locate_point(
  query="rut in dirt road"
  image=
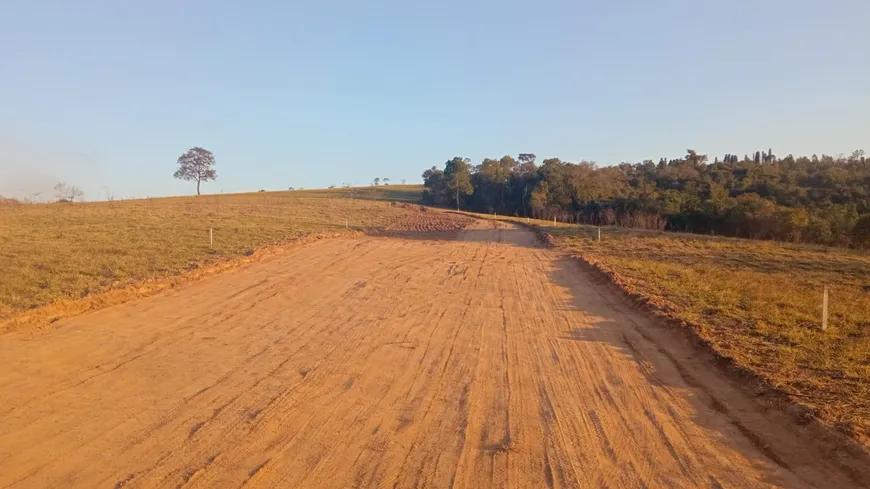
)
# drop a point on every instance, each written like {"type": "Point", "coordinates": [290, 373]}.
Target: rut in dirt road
{"type": "Point", "coordinates": [487, 361]}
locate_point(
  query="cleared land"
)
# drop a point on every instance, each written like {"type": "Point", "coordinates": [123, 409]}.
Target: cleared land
{"type": "Point", "coordinates": [485, 361]}
{"type": "Point", "coordinates": [62, 252]}
{"type": "Point", "coordinates": [758, 302]}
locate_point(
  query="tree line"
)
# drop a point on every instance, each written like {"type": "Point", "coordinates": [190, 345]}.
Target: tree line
{"type": "Point", "coordinates": [816, 199]}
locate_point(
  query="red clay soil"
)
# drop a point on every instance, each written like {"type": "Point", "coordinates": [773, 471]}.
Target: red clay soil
{"type": "Point", "coordinates": [431, 222]}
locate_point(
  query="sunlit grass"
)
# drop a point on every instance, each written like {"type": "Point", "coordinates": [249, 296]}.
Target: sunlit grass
{"type": "Point", "coordinates": [759, 302]}
{"type": "Point", "coordinates": [63, 251]}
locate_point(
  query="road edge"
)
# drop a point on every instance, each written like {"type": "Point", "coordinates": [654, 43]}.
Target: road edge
{"type": "Point", "coordinates": [45, 315]}
{"type": "Point", "coordinates": [841, 448]}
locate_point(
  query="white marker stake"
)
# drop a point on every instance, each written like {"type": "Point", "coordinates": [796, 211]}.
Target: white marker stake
{"type": "Point", "coordinates": [345, 224]}
{"type": "Point", "coordinates": [825, 310]}
{"type": "Point", "coordinates": [211, 237]}
{"type": "Point", "coordinates": [599, 234]}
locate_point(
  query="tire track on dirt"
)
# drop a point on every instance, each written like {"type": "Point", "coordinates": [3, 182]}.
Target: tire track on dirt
{"type": "Point", "coordinates": [485, 361]}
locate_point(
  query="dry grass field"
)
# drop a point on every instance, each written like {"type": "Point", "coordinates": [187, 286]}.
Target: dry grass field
{"type": "Point", "coordinates": [61, 251]}
{"type": "Point", "coordinates": [758, 302]}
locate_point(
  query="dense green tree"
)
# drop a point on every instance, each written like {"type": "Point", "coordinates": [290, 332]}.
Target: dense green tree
{"type": "Point", "coordinates": [435, 187]}
{"type": "Point", "coordinates": [861, 232]}
{"type": "Point", "coordinates": [816, 199]}
{"type": "Point", "coordinates": [457, 177]}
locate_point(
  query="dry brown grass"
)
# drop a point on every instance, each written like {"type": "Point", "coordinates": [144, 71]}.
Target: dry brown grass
{"type": "Point", "coordinates": [62, 252]}
{"type": "Point", "coordinates": [758, 302]}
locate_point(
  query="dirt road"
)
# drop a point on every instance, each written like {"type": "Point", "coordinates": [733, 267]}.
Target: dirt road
{"type": "Point", "coordinates": [384, 362]}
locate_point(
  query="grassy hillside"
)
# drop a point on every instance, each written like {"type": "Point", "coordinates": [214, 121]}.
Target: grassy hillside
{"type": "Point", "coordinates": [62, 251]}
{"type": "Point", "coordinates": [758, 302]}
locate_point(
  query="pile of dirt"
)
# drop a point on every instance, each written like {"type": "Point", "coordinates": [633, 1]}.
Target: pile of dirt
{"type": "Point", "coordinates": [405, 205]}
{"type": "Point", "coordinates": [431, 222]}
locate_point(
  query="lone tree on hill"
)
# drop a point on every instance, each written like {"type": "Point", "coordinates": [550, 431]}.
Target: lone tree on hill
{"type": "Point", "coordinates": [196, 164]}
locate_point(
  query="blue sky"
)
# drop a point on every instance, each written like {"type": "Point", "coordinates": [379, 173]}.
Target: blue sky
{"type": "Point", "coordinates": [109, 94]}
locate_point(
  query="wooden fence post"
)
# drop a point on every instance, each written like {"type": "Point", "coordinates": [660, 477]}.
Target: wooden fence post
{"type": "Point", "coordinates": [825, 309]}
